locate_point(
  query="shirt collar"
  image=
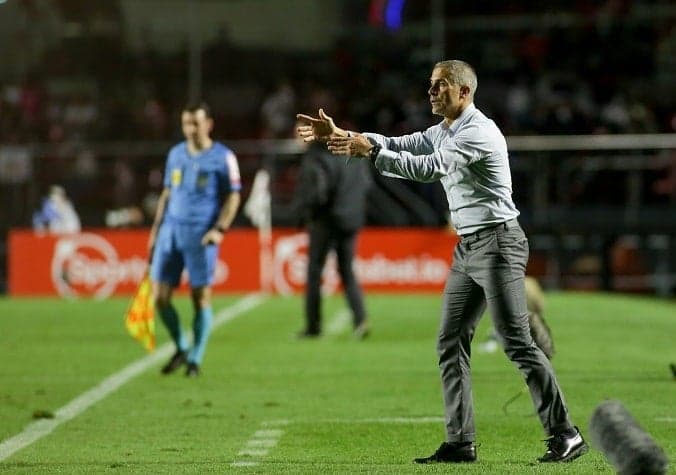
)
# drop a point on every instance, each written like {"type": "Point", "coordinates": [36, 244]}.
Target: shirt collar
{"type": "Point", "coordinates": [469, 110]}
{"type": "Point", "coordinates": [199, 153]}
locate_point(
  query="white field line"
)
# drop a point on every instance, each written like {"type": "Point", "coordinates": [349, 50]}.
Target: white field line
{"type": "Point", "coordinates": [265, 439]}
{"type": "Point", "coordinates": [665, 419]}
{"type": "Point", "coordinates": [40, 428]}
{"type": "Point", "coordinates": [339, 322]}
{"type": "Point", "coordinates": [262, 443]}
{"type": "Point", "coordinates": [259, 445]}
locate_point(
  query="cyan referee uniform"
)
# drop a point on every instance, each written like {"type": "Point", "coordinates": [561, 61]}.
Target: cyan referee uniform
{"type": "Point", "coordinates": [198, 186]}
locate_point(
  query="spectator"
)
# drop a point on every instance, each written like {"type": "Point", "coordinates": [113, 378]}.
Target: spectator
{"type": "Point", "coordinates": [57, 214]}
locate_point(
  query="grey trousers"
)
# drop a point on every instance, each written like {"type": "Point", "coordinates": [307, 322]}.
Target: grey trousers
{"type": "Point", "coordinates": [489, 268]}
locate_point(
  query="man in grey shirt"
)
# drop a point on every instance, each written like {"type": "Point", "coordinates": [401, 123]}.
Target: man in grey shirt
{"type": "Point", "coordinates": [468, 154]}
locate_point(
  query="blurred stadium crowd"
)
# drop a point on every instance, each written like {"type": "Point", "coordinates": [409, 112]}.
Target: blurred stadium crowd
{"type": "Point", "coordinates": [598, 67]}
{"type": "Point", "coordinates": [75, 98]}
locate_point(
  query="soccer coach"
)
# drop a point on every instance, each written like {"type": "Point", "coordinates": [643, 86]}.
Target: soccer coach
{"type": "Point", "coordinates": [468, 154]}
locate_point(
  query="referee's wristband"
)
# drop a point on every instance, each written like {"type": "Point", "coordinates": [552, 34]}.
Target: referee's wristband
{"type": "Point", "coordinates": [373, 153]}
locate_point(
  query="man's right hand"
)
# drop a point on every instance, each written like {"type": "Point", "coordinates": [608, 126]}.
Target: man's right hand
{"type": "Point", "coordinates": [318, 129]}
{"type": "Point", "coordinates": [353, 146]}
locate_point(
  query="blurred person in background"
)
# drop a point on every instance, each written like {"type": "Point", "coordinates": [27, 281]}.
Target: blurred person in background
{"type": "Point", "coordinates": [142, 214]}
{"type": "Point", "coordinates": [277, 111]}
{"type": "Point", "coordinates": [199, 201]}
{"type": "Point", "coordinates": [330, 200]}
{"type": "Point", "coordinates": [468, 154]}
{"type": "Point", "coordinates": [57, 214]}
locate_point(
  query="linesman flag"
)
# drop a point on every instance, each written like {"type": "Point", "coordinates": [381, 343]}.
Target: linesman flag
{"type": "Point", "coordinates": [140, 317]}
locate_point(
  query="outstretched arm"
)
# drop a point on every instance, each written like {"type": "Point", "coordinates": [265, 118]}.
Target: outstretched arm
{"type": "Point", "coordinates": [318, 129]}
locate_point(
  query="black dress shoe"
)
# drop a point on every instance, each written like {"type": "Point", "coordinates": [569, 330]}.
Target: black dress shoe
{"type": "Point", "coordinates": [192, 370]}
{"type": "Point", "coordinates": [454, 452]}
{"type": "Point", "coordinates": [564, 448]}
{"type": "Point", "coordinates": [175, 362]}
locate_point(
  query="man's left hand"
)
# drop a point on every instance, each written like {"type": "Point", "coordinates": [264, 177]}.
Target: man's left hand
{"type": "Point", "coordinates": [317, 129]}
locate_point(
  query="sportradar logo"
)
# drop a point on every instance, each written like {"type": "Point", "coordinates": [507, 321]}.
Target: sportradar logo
{"type": "Point", "coordinates": [87, 265]}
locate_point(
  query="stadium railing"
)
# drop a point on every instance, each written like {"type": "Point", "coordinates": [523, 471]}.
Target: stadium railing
{"type": "Point", "coordinates": [599, 209]}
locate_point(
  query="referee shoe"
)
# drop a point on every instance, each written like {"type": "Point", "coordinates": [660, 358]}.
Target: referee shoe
{"type": "Point", "coordinates": [193, 370]}
{"type": "Point", "coordinates": [175, 362]}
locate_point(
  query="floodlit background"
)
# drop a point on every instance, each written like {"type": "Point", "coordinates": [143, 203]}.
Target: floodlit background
{"type": "Point", "coordinates": [90, 93]}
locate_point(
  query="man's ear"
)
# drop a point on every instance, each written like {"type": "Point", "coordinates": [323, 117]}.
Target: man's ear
{"type": "Point", "coordinates": [464, 92]}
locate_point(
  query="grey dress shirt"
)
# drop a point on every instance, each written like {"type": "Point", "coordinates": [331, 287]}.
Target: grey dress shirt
{"type": "Point", "coordinates": [469, 158]}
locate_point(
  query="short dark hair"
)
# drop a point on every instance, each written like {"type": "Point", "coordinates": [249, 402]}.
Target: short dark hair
{"type": "Point", "coordinates": [194, 106]}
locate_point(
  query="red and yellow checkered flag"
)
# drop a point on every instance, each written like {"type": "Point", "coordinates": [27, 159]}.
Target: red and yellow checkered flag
{"type": "Point", "coordinates": [140, 317]}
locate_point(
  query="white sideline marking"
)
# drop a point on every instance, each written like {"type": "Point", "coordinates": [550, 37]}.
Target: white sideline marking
{"type": "Point", "coordinates": [665, 419]}
{"type": "Point", "coordinates": [259, 444]}
{"type": "Point", "coordinates": [339, 322]}
{"type": "Point", "coordinates": [38, 429]}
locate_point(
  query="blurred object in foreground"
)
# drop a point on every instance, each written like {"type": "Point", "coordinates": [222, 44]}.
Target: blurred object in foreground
{"type": "Point", "coordinates": [627, 446]}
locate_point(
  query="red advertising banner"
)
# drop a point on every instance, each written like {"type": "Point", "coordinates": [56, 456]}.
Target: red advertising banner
{"type": "Point", "coordinates": [99, 263]}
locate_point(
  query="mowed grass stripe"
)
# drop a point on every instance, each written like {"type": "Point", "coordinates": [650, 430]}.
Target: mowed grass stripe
{"type": "Point", "coordinates": [41, 428]}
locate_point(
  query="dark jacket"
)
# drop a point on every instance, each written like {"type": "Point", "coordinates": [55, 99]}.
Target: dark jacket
{"type": "Point", "coordinates": [332, 189]}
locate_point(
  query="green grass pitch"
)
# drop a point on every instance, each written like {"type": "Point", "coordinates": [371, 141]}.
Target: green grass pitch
{"type": "Point", "coordinates": [268, 403]}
